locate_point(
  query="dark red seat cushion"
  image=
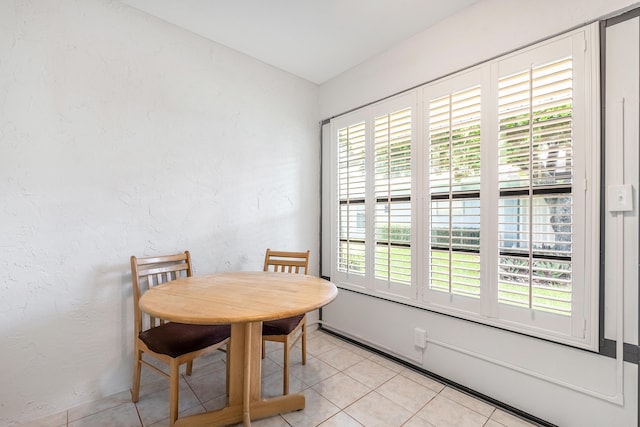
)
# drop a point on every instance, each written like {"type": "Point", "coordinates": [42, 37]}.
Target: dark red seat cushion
{"type": "Point", "coordinates": [281, 326]}
{"type": "Point", "coordinates": [176, 339]}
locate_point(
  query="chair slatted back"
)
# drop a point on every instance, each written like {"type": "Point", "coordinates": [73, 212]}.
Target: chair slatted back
{"type": "Point", "coordinates": [286, 262]}
{"type": "Point", "coordinates": [153, 271]}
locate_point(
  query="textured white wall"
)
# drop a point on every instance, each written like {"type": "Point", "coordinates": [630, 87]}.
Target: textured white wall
{"type": "Point", "coordinates": [121, 135]}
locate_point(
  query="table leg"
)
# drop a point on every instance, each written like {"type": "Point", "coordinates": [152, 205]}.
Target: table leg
{"type": "Point", "coordinates": [246, 391]}
{"type": "Point", "coordinates": [245, 395]}
{"type": "Point", "coordinates": [246, 368]}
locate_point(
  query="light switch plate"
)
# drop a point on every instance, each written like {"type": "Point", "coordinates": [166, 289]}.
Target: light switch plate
{"type": "Point", "coordinates": [620, 198]}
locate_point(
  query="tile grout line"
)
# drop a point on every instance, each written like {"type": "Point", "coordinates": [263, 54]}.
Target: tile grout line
{"type": "Point", "coordinates": [138, 413]}
{"type": "Point", "coordinates": [396, 374]}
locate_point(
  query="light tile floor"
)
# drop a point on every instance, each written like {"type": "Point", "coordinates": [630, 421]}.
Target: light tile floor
{"type": "Point", "coordinates": [344, 385]}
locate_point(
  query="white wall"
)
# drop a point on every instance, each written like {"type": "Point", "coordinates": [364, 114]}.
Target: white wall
{"type": "Point", "coordinates": [119, 135]}
{"type": "Point", "coordinates": [565, 386]}
{"type": "Point", "coordinates": [483, 31]}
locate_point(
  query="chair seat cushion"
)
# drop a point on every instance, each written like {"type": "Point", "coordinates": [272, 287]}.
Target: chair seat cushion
{"type": "Point", "coordinates": [175, 339]}
{"type": "Point", "coordinates": [281, 326]}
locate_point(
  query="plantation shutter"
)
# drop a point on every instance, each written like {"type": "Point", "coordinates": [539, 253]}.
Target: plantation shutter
{"type": "Point", "coordinates": [351, 199]}
{"type": "Point", "coordinates": [392, 140]}
{"type": "Point", "coordinates": [535, 177]}
{"type": "Point", "coordinates": [454, 187]}
{"type": "Point", "coordinates": [493, 216]}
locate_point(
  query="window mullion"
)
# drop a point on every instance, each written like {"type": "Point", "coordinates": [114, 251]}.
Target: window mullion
{"type": "Point", "coordinates": [489, 194]}
{"type": "Point", "coordinates": [388, 202]}
{"type": "Point", "coordinates": [370, 200]}
{"type": "Point", "coordinates": [450, 254]}
{"type": "Point", "coordinates": [530, 195]}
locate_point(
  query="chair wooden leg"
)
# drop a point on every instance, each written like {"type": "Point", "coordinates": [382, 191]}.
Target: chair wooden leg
{"type": "Point", "coordinates": [189, 367]}
{"type": "Point", "coordinates": [228, 367]}
{"type": "Point", "coordinates": [285, 381]}
{"type": "Point", "coordinates": [304, 342]}
{"type": "Point", "coordinates": [263, 348]}
{"type": "Point", "coordinates": [174, 384]}
{"type": "Point", "coordinates": [135, 386]}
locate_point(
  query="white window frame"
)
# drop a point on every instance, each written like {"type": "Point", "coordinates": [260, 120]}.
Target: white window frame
{"type": "Point", "coordinates": [581, 328]}
{"type": "Point", "coordinates": [459, 305]}
{"type": "Point", "coordinates": [353, 281]}
{"type": "Point", "coordinates": [368, 282]}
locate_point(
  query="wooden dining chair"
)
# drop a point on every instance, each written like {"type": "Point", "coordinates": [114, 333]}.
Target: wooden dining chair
{"type": "Point", "coordinates": [170, 342]}
{"type": "Point", "coordinates": [289, 330]}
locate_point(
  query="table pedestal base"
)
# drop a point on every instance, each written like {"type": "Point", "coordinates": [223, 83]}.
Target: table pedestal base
{"type": "Point", "coordinates": [235, 414]}
{"type": "Point", "coordinates": [244, 356]}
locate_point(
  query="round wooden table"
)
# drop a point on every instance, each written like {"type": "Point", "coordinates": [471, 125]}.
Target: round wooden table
{"type": "Point", "coordinates": [244, 300]}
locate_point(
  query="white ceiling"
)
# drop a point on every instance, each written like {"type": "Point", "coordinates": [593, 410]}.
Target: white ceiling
{"type": "Point", "coordinates": [313, 39]}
